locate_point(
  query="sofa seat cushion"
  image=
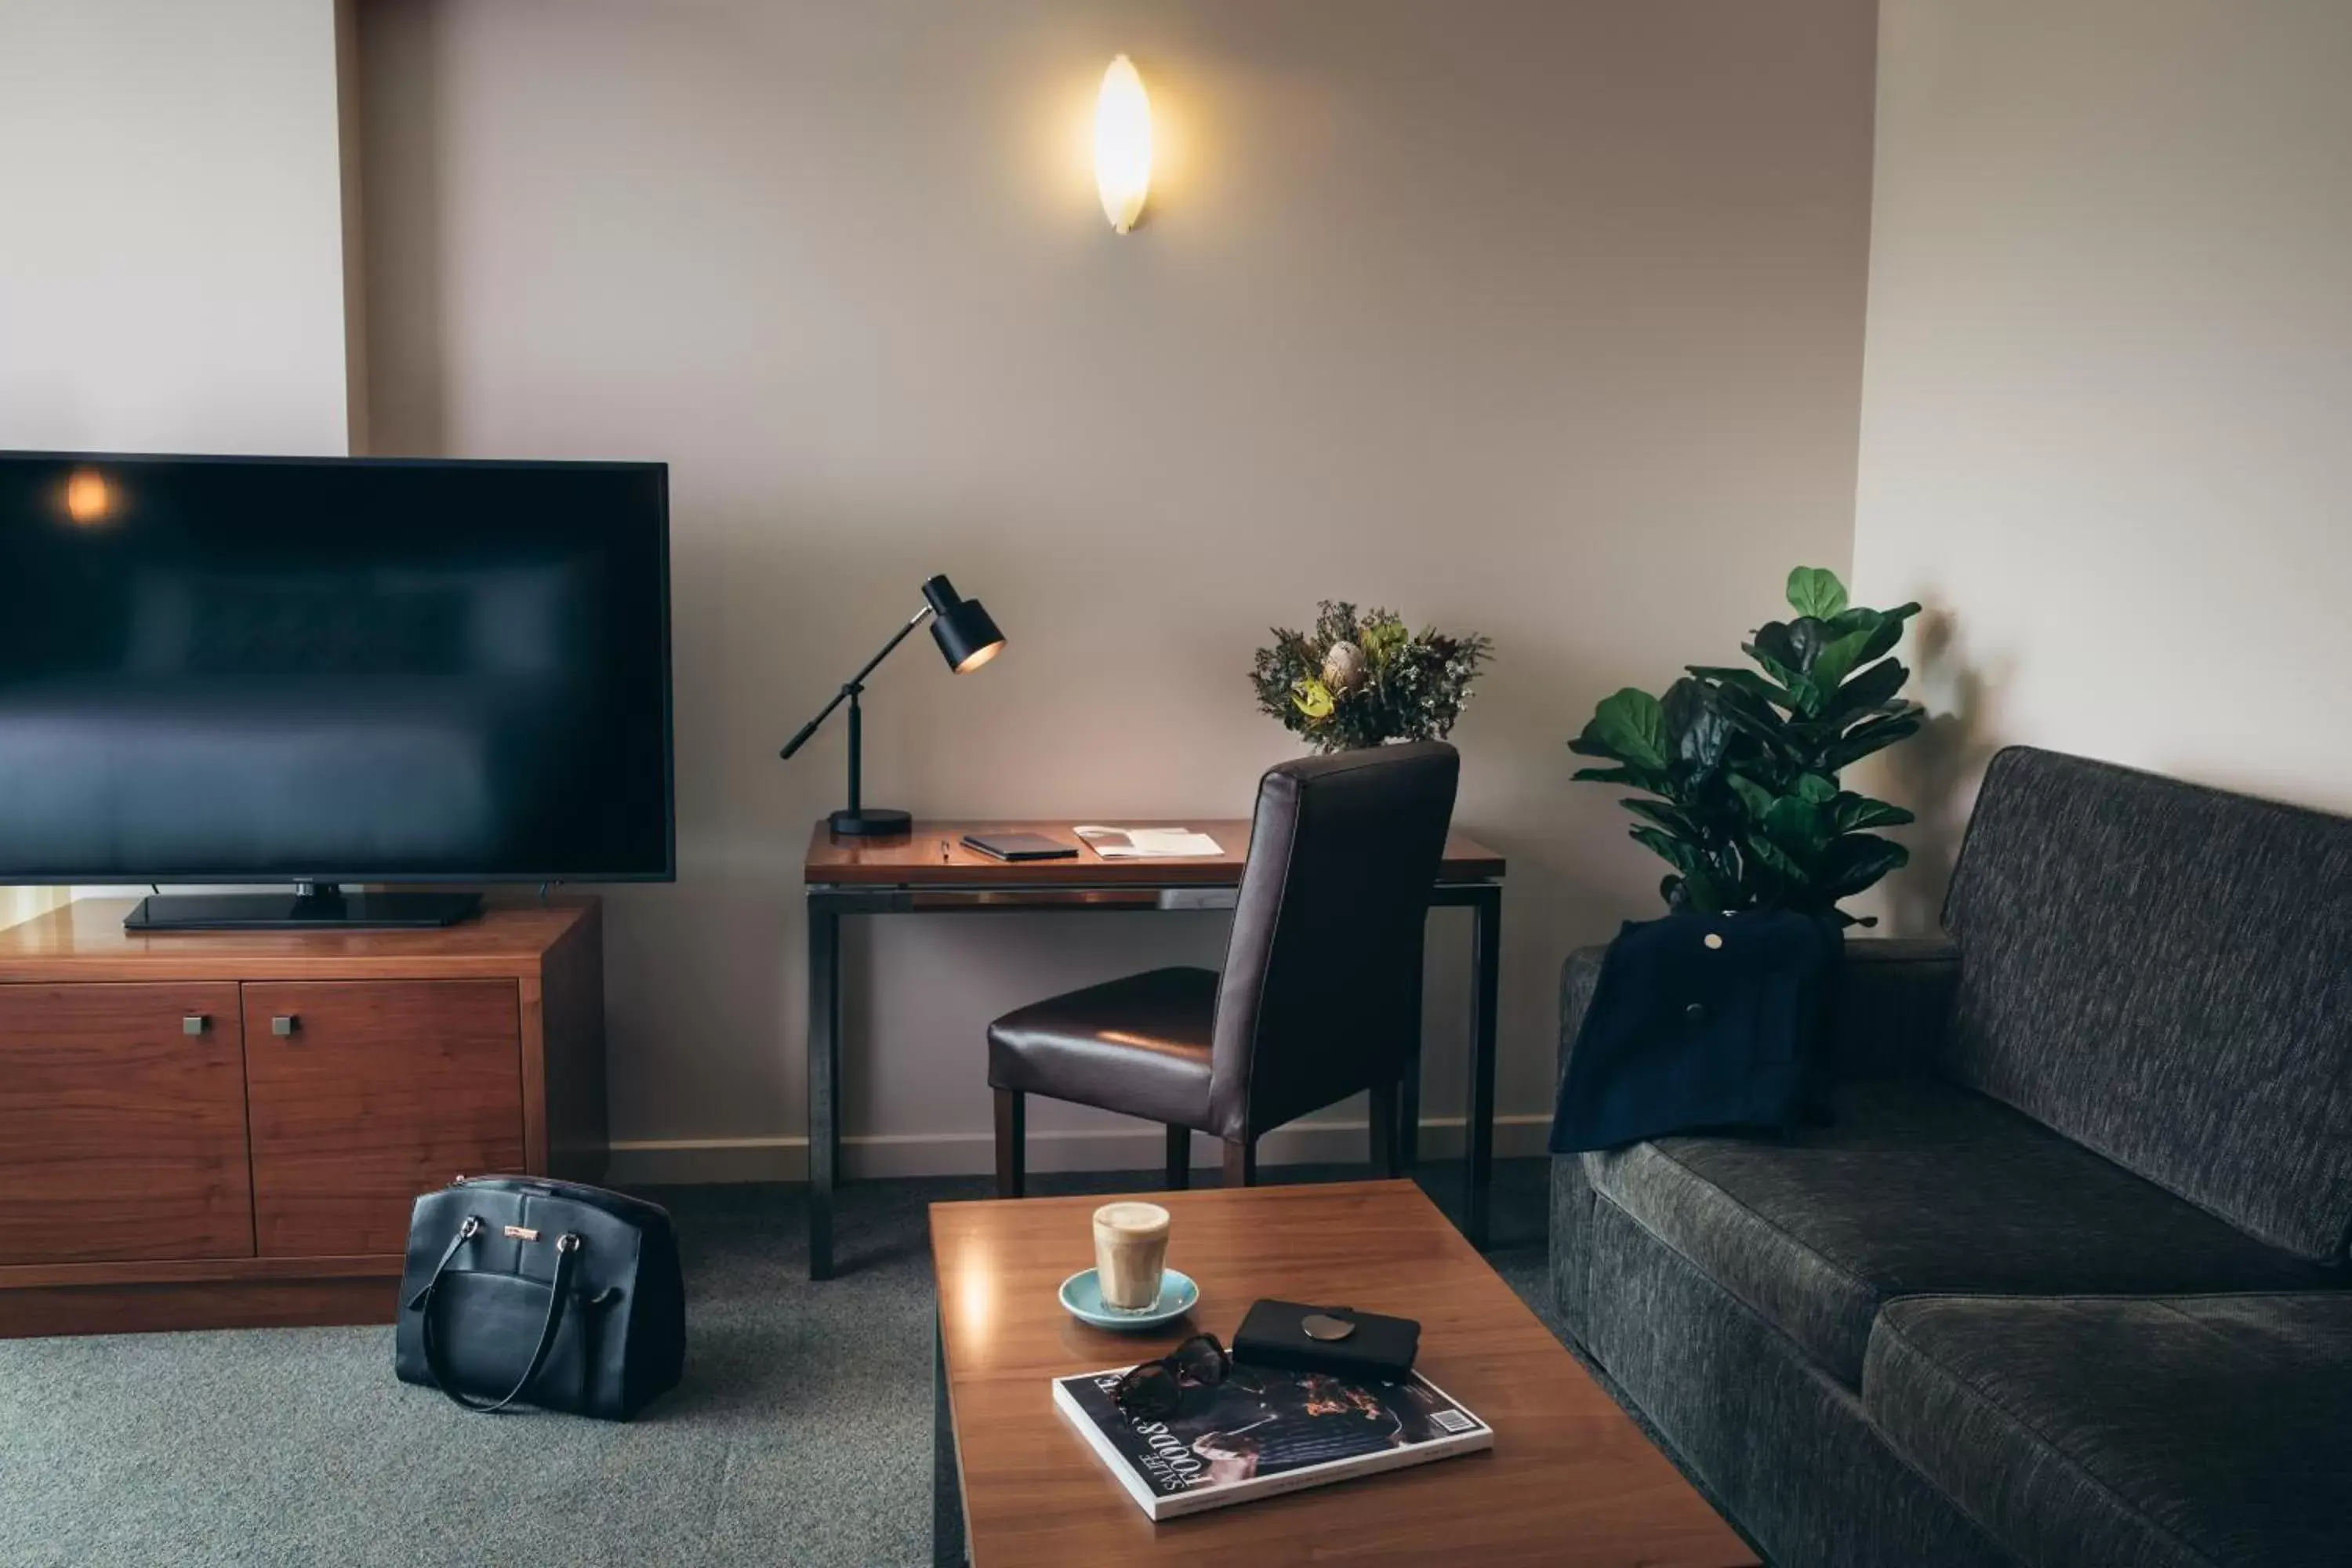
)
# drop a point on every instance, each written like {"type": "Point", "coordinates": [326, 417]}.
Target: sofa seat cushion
{"type": "Point", "coordinates": [1920, 1188]}
{"type": "Point", "coordinates": [2133, 1433]}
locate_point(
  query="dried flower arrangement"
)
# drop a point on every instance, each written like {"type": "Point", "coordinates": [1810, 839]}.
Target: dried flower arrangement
{"type": "Point", "coordinates": [1363, 679]}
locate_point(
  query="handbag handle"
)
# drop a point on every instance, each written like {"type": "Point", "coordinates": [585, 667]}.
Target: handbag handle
{"type": "Point", "coordinates": [566, 1246]}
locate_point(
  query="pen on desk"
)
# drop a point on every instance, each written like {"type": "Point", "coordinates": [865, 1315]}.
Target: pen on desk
{"type": "Point", "coordinates": [943, 851]}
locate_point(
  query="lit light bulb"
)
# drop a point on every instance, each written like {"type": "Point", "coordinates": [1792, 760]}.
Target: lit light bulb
{"type": "Point", "coordinates": [1122, 144]}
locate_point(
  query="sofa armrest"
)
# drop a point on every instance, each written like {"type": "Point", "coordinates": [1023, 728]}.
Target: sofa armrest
{"type": "Point", "coordinates": [1889, 1016]}
{"type": "Point", "coordinates": [1578, 977]}
{"type": "Point", "coordinates": [1571, 1192]}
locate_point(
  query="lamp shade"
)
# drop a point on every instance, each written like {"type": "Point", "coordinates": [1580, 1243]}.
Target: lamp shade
{"type": "Point", "coordinates": [1122, 144]}
{"type": "Point", "coordinates": [968, 638]}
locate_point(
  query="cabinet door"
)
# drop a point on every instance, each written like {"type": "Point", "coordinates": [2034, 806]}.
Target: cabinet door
{"type": "Point", "coordinates": [365, 1093]}
{"type": "Point", "coordinates": [121, 1124]}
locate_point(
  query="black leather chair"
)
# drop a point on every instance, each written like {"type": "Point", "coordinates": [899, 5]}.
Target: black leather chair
{"type": "Point", "coordinates": [1320, 994]}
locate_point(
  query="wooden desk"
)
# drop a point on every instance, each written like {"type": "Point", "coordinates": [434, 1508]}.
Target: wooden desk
{"type": "Point", "coordinates": [930, 872]}
{"type": "Point", "coordinates": [1570, 1483]}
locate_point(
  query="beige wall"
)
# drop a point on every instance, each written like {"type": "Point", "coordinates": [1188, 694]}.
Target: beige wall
{"type": "Point", "coordinates": [171, 277]}
{"type": "Point", "coordinates": [172, 263]}
{"type": "Point", "coordinates": [1537, 318]}
{"type": "Point", "coordinates": [2108, 374]}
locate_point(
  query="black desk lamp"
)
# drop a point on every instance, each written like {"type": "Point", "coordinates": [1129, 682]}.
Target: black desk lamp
{"type": "Point", "coordinates": [968, 639]}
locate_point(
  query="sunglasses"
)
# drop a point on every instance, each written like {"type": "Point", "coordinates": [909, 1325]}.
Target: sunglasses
{"type": "Point", "coordinates": [1156, 1387]}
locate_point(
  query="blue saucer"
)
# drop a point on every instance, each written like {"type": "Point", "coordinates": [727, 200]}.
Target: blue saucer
{"type": "Point", "coordinates": [1082, 1294]}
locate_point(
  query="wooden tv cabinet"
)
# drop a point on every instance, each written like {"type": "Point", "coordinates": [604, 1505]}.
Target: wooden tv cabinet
{"type": "Point", "coordinates": [225, 1129]}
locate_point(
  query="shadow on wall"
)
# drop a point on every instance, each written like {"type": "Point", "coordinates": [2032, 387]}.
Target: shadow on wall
{"type": "Point", "coordinates": [1936, 772]}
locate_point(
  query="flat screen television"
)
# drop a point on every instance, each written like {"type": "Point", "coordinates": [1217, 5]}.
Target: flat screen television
{"type": "Point", "coordinates": [330, 671]}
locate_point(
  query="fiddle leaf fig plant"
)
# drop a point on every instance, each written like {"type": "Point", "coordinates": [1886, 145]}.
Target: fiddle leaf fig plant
{"type": "Point", "coordinates": [1739, 766]}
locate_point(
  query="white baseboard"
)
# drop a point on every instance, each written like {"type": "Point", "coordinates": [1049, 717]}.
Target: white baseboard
{"type": "Point", "coordinates": [698, 1161]}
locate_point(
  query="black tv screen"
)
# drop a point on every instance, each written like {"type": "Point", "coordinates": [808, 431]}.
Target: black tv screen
{"type": "Point", "coordinates": [228, 670]}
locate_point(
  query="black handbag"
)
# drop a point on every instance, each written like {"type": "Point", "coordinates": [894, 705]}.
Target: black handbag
{"type": "Point", "coordinates": [522, 1289]}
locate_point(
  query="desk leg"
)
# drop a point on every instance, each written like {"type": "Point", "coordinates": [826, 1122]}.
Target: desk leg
{"type": "Point", "coordinates": [947, 1474]}
{"type": "Point", "coordinates": [1478, 1125]}
{"type": "Point", "coordinates": [823, 1081]}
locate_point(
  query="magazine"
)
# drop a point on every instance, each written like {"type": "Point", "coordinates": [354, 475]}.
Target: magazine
{"type": "Point", "coordinates": [1264, 1431]}
{"type": "Point", "coordinates": [1146, 842]}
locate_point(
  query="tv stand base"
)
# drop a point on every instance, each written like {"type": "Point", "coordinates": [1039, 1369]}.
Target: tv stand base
{"type": "Point", "coordinates": [310, 907]}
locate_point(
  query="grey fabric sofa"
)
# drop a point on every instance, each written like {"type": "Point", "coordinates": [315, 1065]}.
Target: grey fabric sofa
{"type": "Point", "coordinates": [2062, 1283]}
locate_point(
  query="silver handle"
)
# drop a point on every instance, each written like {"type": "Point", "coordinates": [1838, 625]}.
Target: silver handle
{"type": "Point", "coordinates": [284, 1025]}
{"type": "Point", "coordinates": [196, 1023]}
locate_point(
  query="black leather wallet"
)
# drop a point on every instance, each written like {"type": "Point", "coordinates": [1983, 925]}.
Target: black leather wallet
{"type": "Point", "coordinates": [1328, 1339]}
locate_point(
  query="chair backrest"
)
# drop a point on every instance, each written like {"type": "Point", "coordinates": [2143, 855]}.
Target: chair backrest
{"type": "Point", "coordinates": [1321, 991]}
{"type": "Point", "coordinates": [2163, 972]}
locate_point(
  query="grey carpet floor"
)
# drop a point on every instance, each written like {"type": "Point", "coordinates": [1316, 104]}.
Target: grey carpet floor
{"type": "Point", "coordinates": [802, 1434]}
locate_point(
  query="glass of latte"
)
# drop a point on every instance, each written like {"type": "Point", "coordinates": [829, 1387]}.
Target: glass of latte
{"type": "Point", "coordinates": [1130, 1251]}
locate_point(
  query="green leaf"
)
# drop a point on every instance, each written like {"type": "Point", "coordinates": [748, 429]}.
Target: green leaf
{"type": "Point", "coordinates": [1753, 795]}
{"type": "Point", "coordinates": [1682, 856]}
{"type": "Point", "coordinates": [1852, 813]}
{"type": "Point", "coordinates": [1755, 714]}
{"type": "Point", "coordinates": [1815, 790]}
{"type": "Point", "coordinates": [1808, 637]}
{"type": "Point", "coordinates": [1872, 687]}
{"type": "Point", "coordinates": [1815, 591]}
{"type": "Point", "coordinates": [1858, 859]}
{"type": "Point", "coordinates": [1838, 658]}
{"type": "Point", "coordinates": [1883, 637]}
{"type": "Point", "coordinates": [1674, 819]}
{"type": "Point", "coordinates": [1777, 860]}
{"type": "Point", "coordinates": [1697, 731]}
{"type": "Point", "coordinates": [1706, 892]}
{"type": "Point", "coordinates": [1630, 726]}
{"type": "Point", "coordinates": [1787, 674]}
{"type": "Point", "coordinates": [1798, 827]}
{"type": "Point", "coordinates": [1876, 736]}
{"type": "Point", "coordinates": [1787, 653]}
{"type": "Point", "coordinates": [1728, 678]}
{"type": "Point", "coordinates": [1775, 645]}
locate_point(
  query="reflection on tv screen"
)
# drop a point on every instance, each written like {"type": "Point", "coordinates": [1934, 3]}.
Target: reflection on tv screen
{"type": "Point", "coordinates": [257, 670]}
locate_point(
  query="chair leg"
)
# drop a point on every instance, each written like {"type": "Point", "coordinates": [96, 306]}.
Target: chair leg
{"type": "Point", "coordinates": [1011, 1132]}
{"type": "Point", "coordinates": [1241, 1161]}
{"type": "Point", "coordinates": [1180, 1158]}
{"type": "Point", "coordinates": [1387, 1149]}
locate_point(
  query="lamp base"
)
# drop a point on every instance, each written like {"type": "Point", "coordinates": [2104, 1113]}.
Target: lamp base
{"type": "Point", "coordinates": [872, 822]}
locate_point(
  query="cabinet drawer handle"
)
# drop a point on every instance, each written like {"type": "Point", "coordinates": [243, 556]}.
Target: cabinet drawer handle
{"type": "Point", "coordinates": [284, 1025]}
{"type": "Point", "coordinates": [196, 1023]}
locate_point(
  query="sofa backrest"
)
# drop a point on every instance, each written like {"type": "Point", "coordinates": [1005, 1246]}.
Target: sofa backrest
{"type": "Point", "coordinates": [2163, 973]}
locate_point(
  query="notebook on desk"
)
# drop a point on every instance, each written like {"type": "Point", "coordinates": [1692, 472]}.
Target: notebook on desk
{"type": "Point", "coordinates": [1147, 843]}
{"type": "Point", "coordinates": [1018, 847]}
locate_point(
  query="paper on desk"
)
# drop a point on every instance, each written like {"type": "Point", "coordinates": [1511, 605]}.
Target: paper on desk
{"type": "Point", "coordinates": [1146, 842]}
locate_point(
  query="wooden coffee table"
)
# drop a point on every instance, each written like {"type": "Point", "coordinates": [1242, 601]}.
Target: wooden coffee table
{"type": "Point", "coordinates": [1569, 1481]}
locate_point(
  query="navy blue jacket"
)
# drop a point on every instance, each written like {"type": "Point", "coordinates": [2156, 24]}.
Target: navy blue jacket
{"type": "Point", "coordinates": [1699, 1023]}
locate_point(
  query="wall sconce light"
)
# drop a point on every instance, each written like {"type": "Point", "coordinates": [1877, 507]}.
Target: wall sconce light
{"type": "Point", "coordinates": [1122, 144]}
